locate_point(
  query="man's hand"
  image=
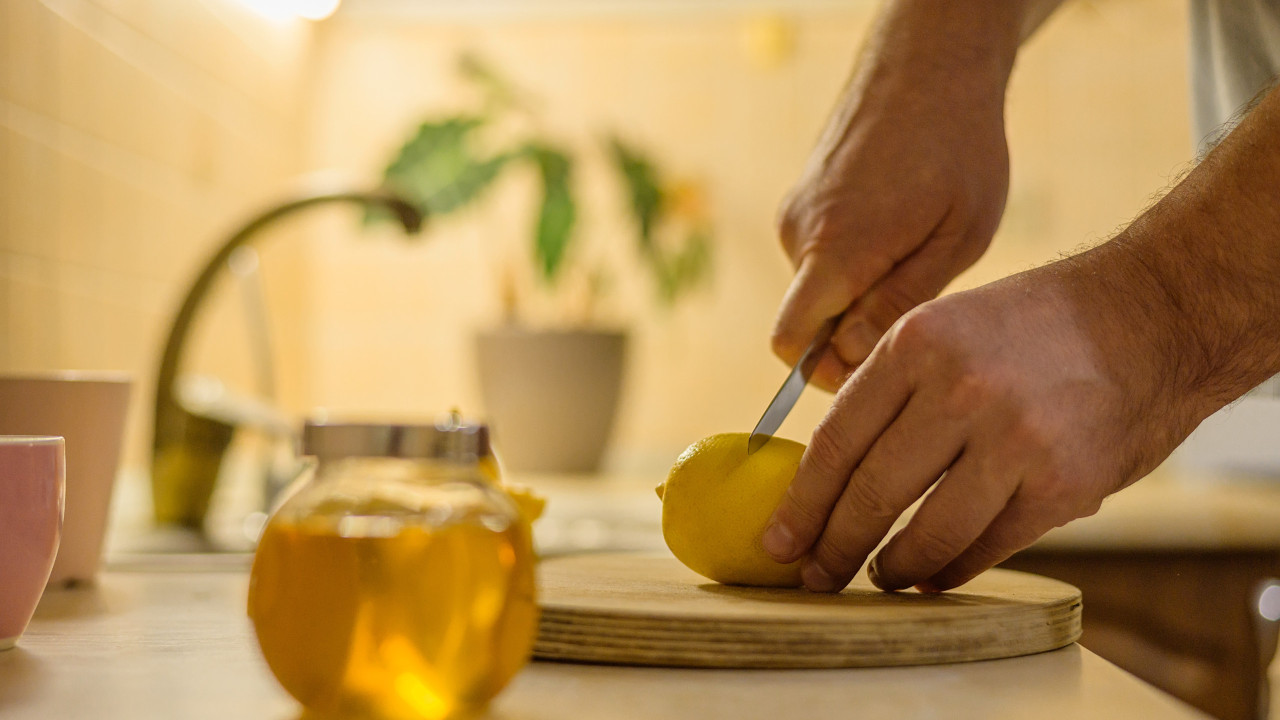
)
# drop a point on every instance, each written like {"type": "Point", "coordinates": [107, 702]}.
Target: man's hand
{"type": "Point", "coordinates": [1025, 402]}
{"type": "Point", "coordinates": [1005, 395]}
{"type": "Point", "coordinates": [906, 186]}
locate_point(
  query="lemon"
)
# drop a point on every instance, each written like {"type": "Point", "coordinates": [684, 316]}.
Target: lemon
{"type": "Point", "coordinates": [529, 503]}
{"type": "Point", "coordinates": [715, 505]}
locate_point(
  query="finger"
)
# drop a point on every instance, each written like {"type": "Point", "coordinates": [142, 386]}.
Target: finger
{"type": "Point", "coordinates": [788, 222]}
{"type": "Point", "coordinates": [896, 471]}
{"type": "Point", "coordinates": [865, 405]}
{"type": "Point", "coordinates": [830, 373]}
{"type": "Point", "coordinates": [1019, 524]}
{"type": "Point", "coordinates": [855, 337]}
{"type": "Point", "coordinates": [915, 280]}
{"type": "Point", "coordinates": [823, 287]}
{"type": "Point", "coordinates": [963, 504]}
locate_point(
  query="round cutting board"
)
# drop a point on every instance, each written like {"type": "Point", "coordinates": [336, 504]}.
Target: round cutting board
{"type": "Point", "coordinates": [638, 609]}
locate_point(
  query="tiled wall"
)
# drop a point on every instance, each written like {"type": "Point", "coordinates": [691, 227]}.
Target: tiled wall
{"type": "Point", "coordinates": [133, 135]}
{"type": "Point", "coordinates": [1097, 121]}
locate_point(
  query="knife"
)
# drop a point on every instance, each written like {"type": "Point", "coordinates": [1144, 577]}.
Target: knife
{"type": "Point", "coordinates": [791, 388]}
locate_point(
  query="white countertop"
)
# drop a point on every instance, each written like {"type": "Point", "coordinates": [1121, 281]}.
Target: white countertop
{"type": "Point", "coordinates": [1168, 510]}
{"type": "Point", "coordinates": [165, 641]}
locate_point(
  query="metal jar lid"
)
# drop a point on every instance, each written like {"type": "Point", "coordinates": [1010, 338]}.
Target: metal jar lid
{"type": "Point", "coordinates": [453, 439]}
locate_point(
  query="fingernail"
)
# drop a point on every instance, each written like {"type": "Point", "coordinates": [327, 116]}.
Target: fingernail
{"type": "Point", "coordinates": [928, 588]}
{"type": "Point", "coordinates": [873, 571]}
{"type": "Point", "coordinates": [778, 542]}
{"type": "Point", "coordinates": [816, 578]}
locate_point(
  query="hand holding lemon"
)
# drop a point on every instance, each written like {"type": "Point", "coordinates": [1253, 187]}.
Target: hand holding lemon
{"type": "Point", "coordinates": [716, 502]}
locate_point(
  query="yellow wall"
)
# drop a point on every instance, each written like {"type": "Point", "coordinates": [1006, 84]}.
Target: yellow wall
{"type": "Point", "coordinates": [1097, 122]}
{"type": "Point", "coordinates": [135, 133]}
{"type": "Point", "coordinates": [132, 134]}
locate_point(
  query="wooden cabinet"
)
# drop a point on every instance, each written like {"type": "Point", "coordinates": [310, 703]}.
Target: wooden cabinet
{"type": "Point", "coordinates": [1183, 619]}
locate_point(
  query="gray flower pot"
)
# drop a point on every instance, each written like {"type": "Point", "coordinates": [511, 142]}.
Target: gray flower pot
{"type": "Point", "coordinates": [551, 396]}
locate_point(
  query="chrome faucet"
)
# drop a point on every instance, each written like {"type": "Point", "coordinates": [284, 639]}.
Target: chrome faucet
{"type": "Point", "coordinates": [189, 444]}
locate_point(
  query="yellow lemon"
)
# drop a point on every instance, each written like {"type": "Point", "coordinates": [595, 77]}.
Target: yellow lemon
{"type": "Point", "coordinates": [530, 503]}
{"type": "Point", "coordinates": [716, 502]}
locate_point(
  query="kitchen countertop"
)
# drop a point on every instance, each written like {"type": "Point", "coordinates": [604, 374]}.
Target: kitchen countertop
{"type": "Point", "coordinates": [1167, 510]}
{"type": "Point", "coordinates": [171, 640]}
{"type": "Point", "coordinates": [1173, 510]}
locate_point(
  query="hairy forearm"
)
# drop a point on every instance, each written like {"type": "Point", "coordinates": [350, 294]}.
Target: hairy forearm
{"type": "Point", "coordinates": [1198, 275]}
{"type": "Point", "coordinates": [981, 34]}
{"type": "Point", "coordinates": [1034, 13]}
{"type": "Point", "coordinates": [953, 53]}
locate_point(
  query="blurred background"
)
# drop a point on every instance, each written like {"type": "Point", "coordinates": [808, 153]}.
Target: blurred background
{"type": "Point", "coordinates": [136, 134]}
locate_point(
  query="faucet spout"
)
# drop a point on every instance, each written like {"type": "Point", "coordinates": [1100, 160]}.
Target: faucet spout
{"type": "Point", "coordinates": [188, 447]}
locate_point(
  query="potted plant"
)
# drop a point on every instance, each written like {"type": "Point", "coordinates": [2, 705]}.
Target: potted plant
{"type": "Point", "coordinates": [551, 391]}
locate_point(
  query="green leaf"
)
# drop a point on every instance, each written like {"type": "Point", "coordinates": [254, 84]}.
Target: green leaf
{"type": "Point", "coordinates": [681, 271]}
{"type": "Point", "coordinates": [438, 169]}
{"type": "Point", "coordinates": [693, 262]}
{"type": "Point", "coordinates": [557, 213]}
{"type": "Point", "coordinates": [499, 94]}
{"type": "Point", "coordinates": [674, 272]}
{"type": "Point", "coordinates": [645, 194]}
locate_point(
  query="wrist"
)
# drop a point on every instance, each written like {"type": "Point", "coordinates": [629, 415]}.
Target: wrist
{"type": "Point", "coordinates": [1213, 244]}
{"type": "Point", "coordinates": [964, 45]}
{"type": "Point", "coordinates": [1134, 326]}
{"type": "Point", "coordinates": [1183, 323]}
{"type": "Point", "coordinates": [927, 62]}
{"type": "Point", "coordinates": [1182, 308]}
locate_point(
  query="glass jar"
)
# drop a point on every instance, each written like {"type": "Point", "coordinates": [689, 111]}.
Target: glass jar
{"type": "Point", "coordinates": [398, 581]}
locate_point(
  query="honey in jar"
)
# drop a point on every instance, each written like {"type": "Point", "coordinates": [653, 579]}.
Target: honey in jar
{"type": "Point", "coordinates": [398, 582]}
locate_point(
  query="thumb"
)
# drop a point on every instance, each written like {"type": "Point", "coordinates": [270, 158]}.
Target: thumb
{"type": "Point", "coordinates": [914, 281]}
{"type": "Point", "coordinates": [821, 289]}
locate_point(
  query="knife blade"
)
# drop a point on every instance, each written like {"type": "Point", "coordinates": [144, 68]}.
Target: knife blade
{"type": "Point", "coordinates": [792, 387]}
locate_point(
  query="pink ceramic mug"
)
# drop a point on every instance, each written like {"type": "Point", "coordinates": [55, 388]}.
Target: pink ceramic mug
{"type": "Point", "coordinates": [88, 409]}
{"type": "Point", "coordinates": [32, 481]}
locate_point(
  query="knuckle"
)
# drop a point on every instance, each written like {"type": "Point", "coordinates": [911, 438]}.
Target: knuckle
{"type": "Point", "coordinates": [1033, 434]}
{"type": "Point", "coordinates": [825, 452]}
{"type": "Point", "coordinates": [917, 332]}
{"type": "Point", "coordinates": [1049, 488]}
{"type": "Point", "coordinates": [866, 496]}
{"type": "Point", "coordinates": [971, 392]}
{"type": "Point", "coordinates": [841, 279]}
{"type": "Point", "coordinates": [981, 386]}
{"type": "Point", "coordinates": [1084, 508]}
{"type": "Point", "coordinates": [783, 343]}
{"type": "Point", "coordinates": [982, 554]}
{"type": "Point", "coordinates": [1050, 482]}
{"type": "Point", "coordinates": [788, 221]}
{"type": "Point", "coordinates": [823, 225]}
{"type": "Point", "coordinates": [805, 223]}
{"type": "Point", "coordinates": [986, 552]}
{"type": "Point", "coordinates": [1054, 497]}
{"type": "Point", "coordinates": [970, 249]}
{"type": "Point", "coordinates": [801, 510]}
{"type": "Point", "coordinates": [931, 545]}
{"type": "Point", "coordinates": [836, 555]}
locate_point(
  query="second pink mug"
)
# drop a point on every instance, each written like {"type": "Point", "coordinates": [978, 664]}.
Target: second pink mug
{"type": "Point", "coordinates": [32, 482]}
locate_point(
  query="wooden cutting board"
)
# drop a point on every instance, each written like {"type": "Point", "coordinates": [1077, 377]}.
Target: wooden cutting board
{"type": "Point", "coordinates": [641, 609]}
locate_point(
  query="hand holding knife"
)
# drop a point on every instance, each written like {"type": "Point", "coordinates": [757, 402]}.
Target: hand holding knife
{"type": "Point", "coordinates": [791, 388]}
